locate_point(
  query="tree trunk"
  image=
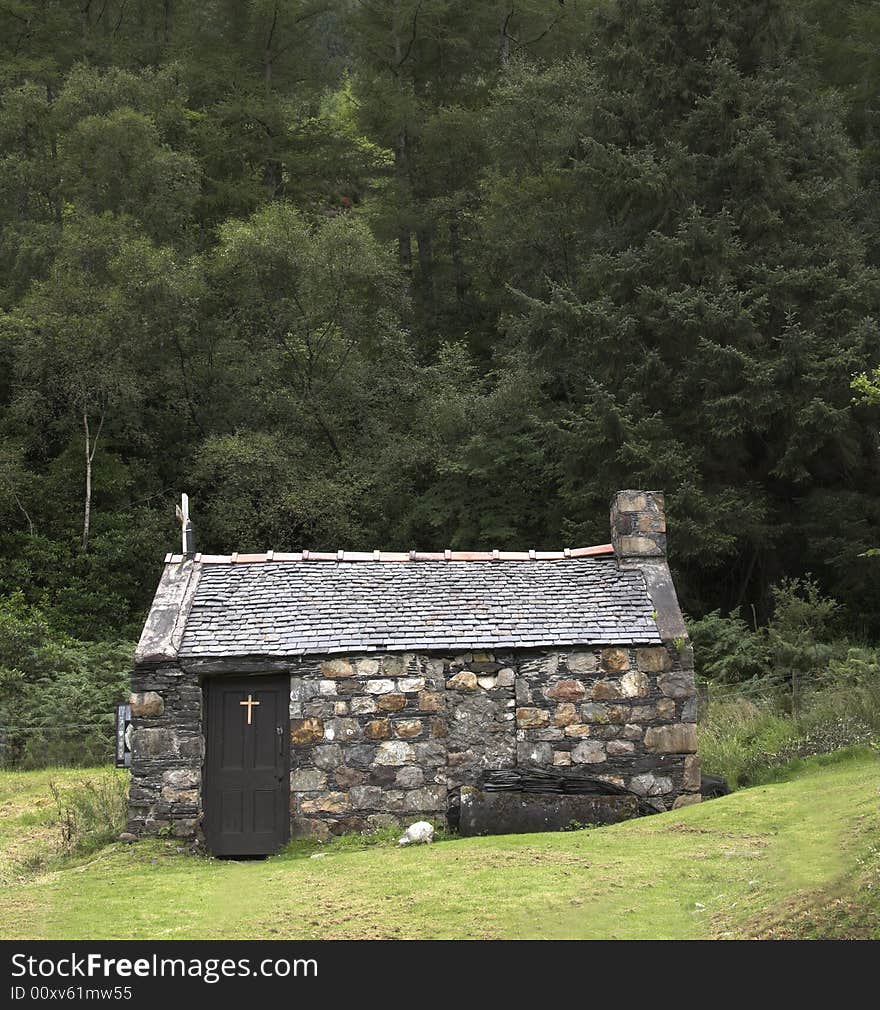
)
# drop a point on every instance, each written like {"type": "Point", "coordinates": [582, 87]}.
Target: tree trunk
{"type": "Point", "coordinates": [91, 446]}
{"type": "Point", "coordinates": [87, 507]}
{"type": "Point", "coordinates": [167, 17]}
{"type": "Point", "coordinates": [404, 237]}
{"type": "Point", "coordinates": [503, 37]}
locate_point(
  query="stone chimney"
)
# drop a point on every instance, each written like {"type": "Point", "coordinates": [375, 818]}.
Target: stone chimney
{"type": "Point", "coordinates": [638, 525]}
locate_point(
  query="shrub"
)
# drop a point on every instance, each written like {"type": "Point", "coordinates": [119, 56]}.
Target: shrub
{"type": "Point", "coordinates": [738, 738]}
{"type": "Point", "coordinates": [745, 740]}
{"type": "Point", "coordinates": [93, 812]}
{"type": "Point", "coordinates": [727, 650]}
{"type": "Point", "coordinates": [57, 694]}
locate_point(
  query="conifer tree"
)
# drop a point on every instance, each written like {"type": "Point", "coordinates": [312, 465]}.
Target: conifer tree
{"type": "Point", "coordinates": [704, 299]}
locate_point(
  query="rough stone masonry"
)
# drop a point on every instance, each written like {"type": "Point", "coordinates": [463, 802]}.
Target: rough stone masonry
{"type": "Point", "coordinates": [412, 676]}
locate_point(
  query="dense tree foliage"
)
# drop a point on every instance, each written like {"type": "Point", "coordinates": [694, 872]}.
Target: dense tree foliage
{"type": "Point", "coordinates": [425, 272]}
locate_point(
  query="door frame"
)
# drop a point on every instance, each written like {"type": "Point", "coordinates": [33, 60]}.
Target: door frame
{"type": "Point", "coordinates": [206, 684]}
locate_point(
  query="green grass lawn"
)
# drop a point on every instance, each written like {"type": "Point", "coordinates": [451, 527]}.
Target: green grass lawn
{"type": "Point", "coordinates": [796, 858]}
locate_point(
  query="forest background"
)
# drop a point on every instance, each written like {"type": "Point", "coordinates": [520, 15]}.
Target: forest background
{"type": "Point", "coordinates": [429, 273]}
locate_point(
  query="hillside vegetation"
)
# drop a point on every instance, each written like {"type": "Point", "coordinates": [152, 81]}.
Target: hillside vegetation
{"type": "Point", "coordinates": [797, 858]}
{"type": "Point", "coordinates": [440, 274]}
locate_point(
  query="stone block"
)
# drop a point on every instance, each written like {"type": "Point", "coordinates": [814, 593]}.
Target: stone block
{"type": "Point", "coordinates": [395, 666]}
{"type": "Point", "coordinates": [306, 731]}
{"type": "Point", "coordinates": [391, 702]}
{"type": "Point", "coordinates": [181, 778]}
{"type": "Point", "coordinates": [146, 704]}
{"type": "Point", "coordinates": [430, 752]}
{"type": "Point", "coordinates": [327, 803]}
{"type": "Point", "coordinates": [615, 660]}
{"type": "Point", "coordinates": [679, 738]}
{"type": "Point", "coordinates": [427, 798]}
{"type": "Point", "coordinates": [376, 822]}
{"type": "Point", "coordinates": [548, 733]}
{"type": "Point", "coordinates": [307, 780]}
{"type": "Point", "coordinates": [360, 755]}
{"type": "Point", "coordinates": [561, 758]}
{"type": "Point", "coordinates": [653, 659]}
{"type": "Point", "coordinates": [487, 813]}
{"type": "Point", "coordinates": [581, 662]}
{"type": "Point", "coordinates": [367, 667]}
{"type": "Point", "coordinates": [528, 752]}
{"type": "Point", "coordinates": [408, 729]}
{"type": "Point", "coordinates": [378, 729]}
{"type": "Point", "coordinates": [634, 684]}
{"type": "Point", "coordinates": [591, 712]}
{"type": "Point", "coordinates": [666, 709]}
{"type": "Point", "coordinates": [342, 730]}
{"type": "Point", "coordinates": [686, 800]}
{"type": "Point", "coordinates": [589, 752]}
{"type": "Point", "coordinates": [409, 777]}
{"type": "Point", "coordinates": [394, 752]}
{"type": "Point", "coordinates": [649, 784]}
{"type": "Point", "coordinates": [430, 701]}
{"type": "Point", "coordinates": [379, 686]}
{"type": "Point", "coordinates": [347, 826]}
{"type": "Point", "coordinates": [577, 731]}
{"type": "Point", "coordinates": [460, 758]}
{"type": "Point", "coordinates": [327, 757]}
{"type": "Point", "coordinates": [367, 797]}
{"type": "Point", "coordinates": [184, 827]}
{"type": "Point", "coordinates": [148, 743]}
{"type": "Point", "coordinates": [307, 827]}
{"type": "Point", "coordinates": [364, 706]}
{"type": "Point", "coordinates": [605, 690]}
{"type": "Point", "coordinates": [505, 677]}
{"type": "Point", "coordinates": [692, 778]}
{"type": "Point", "coordinates": [464, 680]}
{"type": "Point", "coordinates": [333, 669]}
{"type": "Point", "coordinates": [620, 748]}
{"type": "Point", "coordinates": [347, 777]}
{"type": "Point", "coordinates": [677, 684]}
{"type": "Point", "coordinates": [565, 714]}
{"type": "Point", "coordinates": [181, 797]}
{"type": "Point", "coordinates": [566, 690]}
{"type": "Point", "coordinates": [532, 718]}
{"type": "Point", "coordinates": [642, 713]}
{"type": "Point", "coordinates": [644, 546]}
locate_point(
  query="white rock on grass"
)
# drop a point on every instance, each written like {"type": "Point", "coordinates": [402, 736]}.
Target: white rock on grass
{"type": "Point", "coordinates": [418, 833]}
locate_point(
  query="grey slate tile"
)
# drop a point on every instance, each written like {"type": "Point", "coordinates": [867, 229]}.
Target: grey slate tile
{"type": "Point", "coordinates": [299, 608]}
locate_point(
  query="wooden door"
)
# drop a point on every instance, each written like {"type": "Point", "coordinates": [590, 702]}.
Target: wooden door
{"type": "Point", "coordinates": [246, 785]}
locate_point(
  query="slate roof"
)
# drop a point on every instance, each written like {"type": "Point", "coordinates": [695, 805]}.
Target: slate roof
{"type": "Point", "coordinates": [303, 607]}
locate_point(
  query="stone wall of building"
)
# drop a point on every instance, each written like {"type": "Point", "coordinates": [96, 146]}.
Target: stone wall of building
{"type": "Point", "coordinates": [167, 750]}
{"type": "Point", "coordinates": [382, 739]}
{"type": "Point", "coordinates": [388, 739]}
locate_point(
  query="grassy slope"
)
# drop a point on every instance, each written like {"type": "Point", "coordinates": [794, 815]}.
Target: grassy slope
{"type": "Point", "coordinates": [793, 858]}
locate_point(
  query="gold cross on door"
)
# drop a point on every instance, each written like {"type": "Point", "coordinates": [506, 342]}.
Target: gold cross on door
{"type": "Point", "coordinates": [250, 706]}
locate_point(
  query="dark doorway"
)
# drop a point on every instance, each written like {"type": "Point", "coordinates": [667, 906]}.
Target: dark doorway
{"type": "Point", "coordinates": [246, 786]}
